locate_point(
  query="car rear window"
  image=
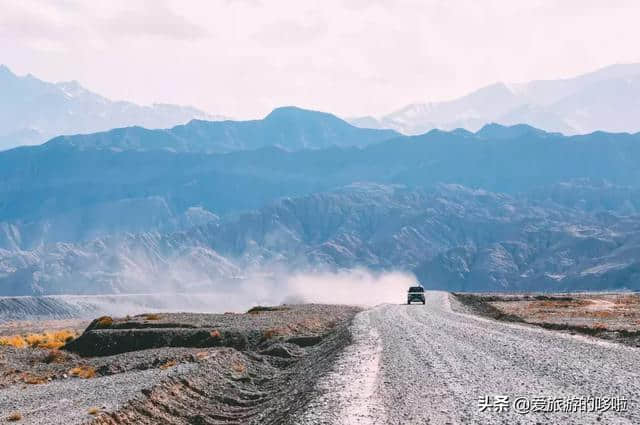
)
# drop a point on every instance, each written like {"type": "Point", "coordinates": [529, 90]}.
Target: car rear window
{"type": "Point", "coordinates": [416, 289]}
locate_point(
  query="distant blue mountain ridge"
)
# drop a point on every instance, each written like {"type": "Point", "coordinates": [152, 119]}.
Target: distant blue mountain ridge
{"type": "Point", "coordinates": [506, 207]}
{"type": "Point", "coordinates": [63, 189]}
{"type": "Point", "coordinates": [288, 128]}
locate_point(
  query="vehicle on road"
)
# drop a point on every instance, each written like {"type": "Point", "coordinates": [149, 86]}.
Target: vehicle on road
{"type": "Point", "coordinates": [416, 293]}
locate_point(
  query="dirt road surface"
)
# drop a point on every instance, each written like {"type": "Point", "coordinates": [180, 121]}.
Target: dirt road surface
{"type": "Point", "coordinates": [437, 364]}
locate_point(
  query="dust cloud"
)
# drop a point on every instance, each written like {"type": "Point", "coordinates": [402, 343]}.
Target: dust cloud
{"type": "Point", "coordinates": [357, 286]}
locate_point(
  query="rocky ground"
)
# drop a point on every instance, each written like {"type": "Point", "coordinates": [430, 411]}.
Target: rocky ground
{"type": "Point", "coordinates": [447, 362]}
{"type": "Point", "coordinates": [613, 317]}
{"type": "Point", "coordinates": [258, 367]}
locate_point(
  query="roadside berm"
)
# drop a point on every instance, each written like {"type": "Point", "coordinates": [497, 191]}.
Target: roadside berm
{"type": "Point", "coordinates": [182, 368]}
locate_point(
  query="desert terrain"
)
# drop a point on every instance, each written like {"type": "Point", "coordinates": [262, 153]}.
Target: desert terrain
{"type": "Point", "coordinates": [330, 364]}
{"type": "Point", "coordinates": [612, 316]}
{"type": "Point", "coordinates": [255, 367]}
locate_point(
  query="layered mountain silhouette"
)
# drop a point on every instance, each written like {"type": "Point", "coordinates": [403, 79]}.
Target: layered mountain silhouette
{"type": "Point", "coordinates": [33, 111]}
{"type": "Point", "coordinates": [288, 128]}
{"type": "Point", "coordinates": [502, 207]}
{"type": "Point", "coordinates": [606, 100]}
{"type": "Point", "coordinates": [61, 192]}
{"type": "Point", "coordinates": [505, 208]}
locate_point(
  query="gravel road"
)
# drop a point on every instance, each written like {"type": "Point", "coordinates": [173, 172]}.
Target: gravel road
{"type": "Point", "coordinates": [433, 364]}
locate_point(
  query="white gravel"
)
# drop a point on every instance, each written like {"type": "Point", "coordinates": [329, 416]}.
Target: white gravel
{"type": "Point", "coordinates": [68, 401]}
{"type": "Point", "coordinates": [436, 364]}
{"type": "Point", "coordinates": [347, 395]}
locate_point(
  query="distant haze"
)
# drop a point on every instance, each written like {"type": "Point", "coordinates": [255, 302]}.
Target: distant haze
{"type": "Point", "coordinates": [357, 286]}
{"type": "Point", "coordinates": [603, 100]}
{"type": "Point", "coordinates": [242, 58]}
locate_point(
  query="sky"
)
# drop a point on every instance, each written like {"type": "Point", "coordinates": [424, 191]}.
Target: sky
{"type": "Point", "coordinates": [242, 58]}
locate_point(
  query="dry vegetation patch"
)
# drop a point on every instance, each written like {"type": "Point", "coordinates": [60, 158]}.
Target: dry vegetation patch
{"type": "Point", "coordinates": [168, 364]}
{"type": "Point", "coordinates": [33, 379]}
{"type": "Point", "coordinates": [610, 316]}
{"type": "Point", "coordinates": [198, 366]}
{"type": "Point", "coordinates": [275, 332]}
{"type": "Point", "coordinates": [17, 341]}
{"type": "Point", "coordinates": [50, 340]}
{"type": "Point", "coordinates": [83, 371]}
{"type": "Point", "coordinates": [598, 311]}
{"type": "Point", "coordinates": [104, 322]}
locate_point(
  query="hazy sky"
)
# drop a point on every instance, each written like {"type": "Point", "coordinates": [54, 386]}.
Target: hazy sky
{"type": "Point", "coordinates": [242, 58]}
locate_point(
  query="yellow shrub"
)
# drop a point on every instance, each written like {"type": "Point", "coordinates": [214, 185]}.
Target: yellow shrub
{"type": "Point", "coordinates": [51, 344]}
{"type": "Point", "coordinates": [49, 340]}
{"type": "Point", "coordinates": [64, 335]}
{"type": "Point", "coordinates": [58, 338]}
{"type": "Point", "coordinates": [32, 379]}
{"type": "Point", "coordinates": [104, 322]}
{"type": "Point", "coordinates": [34, 340]}
{"type": "Point", "coordinates": [168, 364]}
{"type": "Point", "coordinates": [83, 372]}
{"type": "Point", "coordinates": [14, 341]}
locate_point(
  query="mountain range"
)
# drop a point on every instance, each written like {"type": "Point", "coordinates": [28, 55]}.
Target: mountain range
{"type": "Point", "coordinates": [209, 203]}
{"type": "Point", "coordinates": [33, 111]}
{"type": "Point", "coordinates": [69, 192]}
{"type": "Point", "coordinates": [289, 128]}
{"type": "Point", "coordinates": [502, 208]}
{"type": "Point", "coordinates": [451, 237]}
{"type": "Point", "coordinates": [604, 100]}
